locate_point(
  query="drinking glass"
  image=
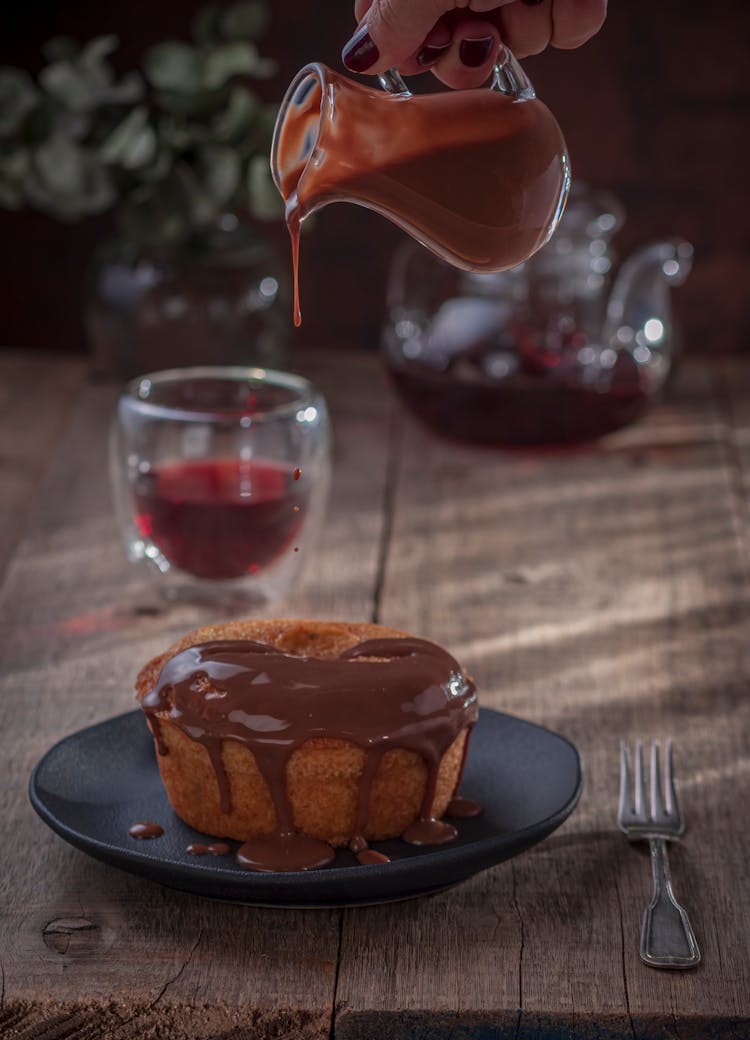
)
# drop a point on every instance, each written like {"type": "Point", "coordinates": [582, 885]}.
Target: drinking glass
{"type": "Point", "coordinates": [220, 479]}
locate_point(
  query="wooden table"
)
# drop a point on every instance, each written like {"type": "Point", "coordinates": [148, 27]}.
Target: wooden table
{"type": "Point", "coordinates": [602, 592]}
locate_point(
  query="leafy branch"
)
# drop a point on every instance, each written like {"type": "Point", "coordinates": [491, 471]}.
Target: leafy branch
{"type": "Point", "coordinates": [170, 147]}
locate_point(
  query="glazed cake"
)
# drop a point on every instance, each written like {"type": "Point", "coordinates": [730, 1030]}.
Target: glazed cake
{"type": "Point", "coordinates": [296, 736]}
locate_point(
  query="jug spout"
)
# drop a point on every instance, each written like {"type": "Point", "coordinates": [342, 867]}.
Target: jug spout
{"type": "Point", "coordinates": [639, 311]}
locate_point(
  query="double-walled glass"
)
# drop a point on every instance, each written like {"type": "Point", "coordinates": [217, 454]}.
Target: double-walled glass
{"type": "Point", "coordinates": [220, 478]}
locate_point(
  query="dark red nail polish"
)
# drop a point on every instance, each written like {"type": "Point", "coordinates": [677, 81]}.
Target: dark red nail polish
{"type": "Point", "coordinates": [360, 53]}
{"type": "Point", "coordinates": [430, 54]}
{"type": "Point", "coordinates": [532, 3]}
{"type": "Point", "coordinates": [474, 53]}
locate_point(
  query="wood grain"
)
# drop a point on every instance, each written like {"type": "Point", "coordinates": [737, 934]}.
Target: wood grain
{"type": "Point", "coordinates": [36, 394]}
{"type": "Point", "coordinates": [601, 592]}
{"type": "Point", "coordinates": [87, 950]}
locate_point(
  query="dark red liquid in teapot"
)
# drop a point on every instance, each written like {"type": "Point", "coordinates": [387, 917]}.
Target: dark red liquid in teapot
{"type": "Point", "coordinates": [473, 173]}
{"type": "Point", "coordinates": [220, 518]}
{"type": "Point", "coordinates": [522, 409]}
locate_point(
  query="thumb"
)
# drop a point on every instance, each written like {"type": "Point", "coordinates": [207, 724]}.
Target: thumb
{"type": "Point", "coordinates": [391, 32]}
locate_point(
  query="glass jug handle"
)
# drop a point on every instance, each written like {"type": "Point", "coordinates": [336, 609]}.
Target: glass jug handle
{"type": "Point", "coordinates": [507, 78]}
{"type": "Point", "coordinates": [391, 81]}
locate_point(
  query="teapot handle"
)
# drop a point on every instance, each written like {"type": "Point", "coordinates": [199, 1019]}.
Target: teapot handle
{"type": "Point", "coordinates": [508, 78]}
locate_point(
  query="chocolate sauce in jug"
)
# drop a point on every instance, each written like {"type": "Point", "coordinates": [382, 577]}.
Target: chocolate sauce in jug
{"type": "Point", "coordinates": [477, 176]}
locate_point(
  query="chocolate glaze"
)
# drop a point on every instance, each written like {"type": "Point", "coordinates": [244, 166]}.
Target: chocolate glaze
{"type": "Point", "coordinates": [148, 829]}
{"type": "Point", "coordinates": [429, 832]}
{"type": "Point", "coordinates": [369, 857]}
{"type": "Point", "coordinates": [463, 808]}
{"type": "Point", "coordinates": [380, 694]}
{"type": "Point", "coordinates": [473, 174]}
{"type": "Point", "coordinates": [217, 848]}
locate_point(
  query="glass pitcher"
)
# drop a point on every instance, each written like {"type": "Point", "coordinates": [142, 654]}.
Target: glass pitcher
{"type": "Point", "coordinates": [478, 176]}
{"type": "Point", "coordinates": [553, 351]}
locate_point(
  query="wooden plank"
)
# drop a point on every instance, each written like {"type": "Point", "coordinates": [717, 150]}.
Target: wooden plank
{"type": "Point", "coordinates": [604, 593]}
{"type": "Point", "coordinates": [87, 950]}
{"type": "Point", "coordinates": [37, 392]}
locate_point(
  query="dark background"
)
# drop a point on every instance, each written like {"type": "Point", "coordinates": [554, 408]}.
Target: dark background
{"type": "Point", "coordinates": [655, 108]}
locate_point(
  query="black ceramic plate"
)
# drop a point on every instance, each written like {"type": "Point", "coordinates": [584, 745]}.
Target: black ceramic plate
{"type": "Point", "coordinates": [94, 784]}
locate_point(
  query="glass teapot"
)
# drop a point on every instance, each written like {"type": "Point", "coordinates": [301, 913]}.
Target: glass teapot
{"type": "Point", "coordinates": [552, 351]}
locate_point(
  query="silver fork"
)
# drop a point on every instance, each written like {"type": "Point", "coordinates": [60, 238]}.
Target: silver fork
{"type": "Point", "coordinates": [667, 938]}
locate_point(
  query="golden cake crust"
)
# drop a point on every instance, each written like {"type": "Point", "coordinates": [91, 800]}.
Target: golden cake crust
{"type": "Point", "coordinates": [322, 774]}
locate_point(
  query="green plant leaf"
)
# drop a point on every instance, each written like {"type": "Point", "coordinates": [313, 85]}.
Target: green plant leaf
{"type": "Point", "coordinates": [174, 66]}
{"type": "Point", "coordinates": [66, 181]}
{"type": "Point", "coordinates": [67, 85]}
{"type": "Point", "coordinates": [186, 105]}
{"type": "Point", "coordinates": [126, 92]}
{"type": "Point", "coordinates": [205, 25]}
{"type": "Point", "coordinates": [220, 174]}
{"type": "Point", "coordinates": [11, 195]}
{"type": "Point", "coordinates": [132, 143]}
{"type": "Point", "coordinates": [199, 204]}
{"type": "Point", "coordinates": [159, 167]}
{"type": "Point", "coordinates": [59, 164]}
{"type": "Point", "coordinates": [14, 167]}
{"type": "Point", "coordinates": [264, 201]}
{"type": "Point", "coordinates": [18, 96]}
{"type": "Point", "coordinates": [233, 124]}
{"type": "Point", "coordinates": [92, 59]}
{"type": "Point", "coordinates": [244, 21]}
{"type": "Point", "coordinates": [229, 59]}
{"type": "Point", "coordinates": [60, 48]}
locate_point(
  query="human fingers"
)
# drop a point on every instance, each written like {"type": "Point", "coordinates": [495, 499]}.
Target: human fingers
{"type": "Point", "coordinates": [468, 61]}
{"type": "Point", "coordinates": [575, 21]}
{"type": "Point", "coordinates": [525, 28]}
{"type": "Point", "coordinates": [392, 32]}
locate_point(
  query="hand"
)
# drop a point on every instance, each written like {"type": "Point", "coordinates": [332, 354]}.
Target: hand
{"type": "Point", "coordinates": [459, 39]}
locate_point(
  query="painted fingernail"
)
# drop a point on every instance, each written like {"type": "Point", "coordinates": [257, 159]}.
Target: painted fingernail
{"type": "Point", "coordinates": [532, 3]}
{"type": "Point", "coordinates": [435, 45]}
{"type": "Point", "coordinates": [360, 53]}
{"type": "Point", "coordinates": [474, 53]}
{"type": "Point", "coordinates": [430, 54]}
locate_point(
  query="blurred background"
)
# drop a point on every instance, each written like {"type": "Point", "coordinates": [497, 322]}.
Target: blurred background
{"type": "Point", "coordinates": [655, 109]}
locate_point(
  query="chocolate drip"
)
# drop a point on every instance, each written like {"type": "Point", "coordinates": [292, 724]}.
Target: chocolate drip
{"type": "Point", "coordinates": [148, 829]}
{"type": "Point", "coordinates": [380, 694]}
{"type": "Point", "coordinates": [429, 832]}
{"type": "Point", "coordinates": [217, 848]}
{"type": "Point", "coordinates": [463, 808]}
{"type": "Point", "coordinates": [372, 761]}
{"type": "Point", "coordinates": [285, 850]}
{"type": "Point", "coordinates": [369, 857]}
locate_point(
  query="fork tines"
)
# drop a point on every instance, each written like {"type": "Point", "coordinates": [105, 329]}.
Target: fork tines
{"type": "Point", "coordinates": [663, 808]}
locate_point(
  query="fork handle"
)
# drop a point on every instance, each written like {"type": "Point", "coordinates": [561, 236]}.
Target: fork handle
{"type": "Point", "coordinates": [667, 938]}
